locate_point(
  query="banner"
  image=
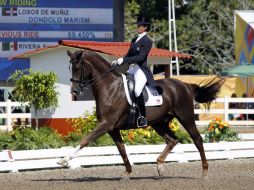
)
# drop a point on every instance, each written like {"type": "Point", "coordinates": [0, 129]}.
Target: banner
{"type": "Point", "coordinates": [244, 37]}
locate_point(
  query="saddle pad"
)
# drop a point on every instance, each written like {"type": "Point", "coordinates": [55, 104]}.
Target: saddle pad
{"type": "Point", "coordinates": [154, 98]}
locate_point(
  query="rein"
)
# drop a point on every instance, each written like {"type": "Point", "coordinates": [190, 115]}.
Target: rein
{"type": "Point", "coordinates": [87, 83]}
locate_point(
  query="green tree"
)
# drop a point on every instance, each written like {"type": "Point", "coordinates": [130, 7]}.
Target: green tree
{"type": "Point", "coordinates": [131, 11]}
{"type": "Point", "coordinates": [159, 28]}
{"type": "Point", "coordinates": [38, 89]}
{"type": "Point", "coordinates": [205, 31]}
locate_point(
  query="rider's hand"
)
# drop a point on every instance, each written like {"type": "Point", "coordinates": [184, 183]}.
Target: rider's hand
{"type": "Point", "coordinates": [114, 63]}
{"type": "Point", "coordinates": [117, 62]}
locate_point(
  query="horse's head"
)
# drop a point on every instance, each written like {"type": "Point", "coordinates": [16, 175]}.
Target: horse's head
{"type": "Point", "coordinates": [80, 72]}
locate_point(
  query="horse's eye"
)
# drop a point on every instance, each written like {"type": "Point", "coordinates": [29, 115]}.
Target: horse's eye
{"type": "Point", "coordinates": [76, 65]}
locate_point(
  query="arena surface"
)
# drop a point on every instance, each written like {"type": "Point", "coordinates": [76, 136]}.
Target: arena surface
{"type": "Point", "coordinates": [223, 174]}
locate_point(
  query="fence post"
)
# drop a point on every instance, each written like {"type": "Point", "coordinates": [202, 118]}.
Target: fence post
{"type": "Point", "coordinates": [8, 119]}
{"type": "Point", "coordinates": [226, 108]}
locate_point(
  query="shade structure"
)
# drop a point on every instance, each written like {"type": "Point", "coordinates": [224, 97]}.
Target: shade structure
{"type": "Point", "coordinates": [246, 70]}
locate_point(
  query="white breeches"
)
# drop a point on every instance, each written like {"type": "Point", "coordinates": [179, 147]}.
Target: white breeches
{"type": "Point", "coordinates": [139, 77]}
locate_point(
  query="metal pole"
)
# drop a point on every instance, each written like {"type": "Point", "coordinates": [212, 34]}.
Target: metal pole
{"type": "Point", "coordinates": [171, 19]}
{"type": "Point", "coordinates": [169, 36]}
{"type": "Point", "coordinates": [175, 43]}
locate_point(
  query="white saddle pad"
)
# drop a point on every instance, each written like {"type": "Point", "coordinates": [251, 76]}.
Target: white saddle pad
{"type": "Point", "coordinates": [154, 98]}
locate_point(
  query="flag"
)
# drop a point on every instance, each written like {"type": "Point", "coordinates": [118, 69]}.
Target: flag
{"type": "Point", "coordinates": [9, 11]}
{"type": "Point", "coordinates": [9, 46]}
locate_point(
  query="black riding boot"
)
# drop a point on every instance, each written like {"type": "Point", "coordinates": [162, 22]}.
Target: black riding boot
{"type": "Point", "coordinates": [141, 122]}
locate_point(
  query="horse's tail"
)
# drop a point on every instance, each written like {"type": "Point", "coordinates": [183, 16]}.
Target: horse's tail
{"type": "Point", "coordinates": [207, 91]}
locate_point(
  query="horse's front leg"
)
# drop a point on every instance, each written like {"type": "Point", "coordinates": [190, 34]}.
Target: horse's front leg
{"type": "Point", "coordinates": [116, 136]}
{"type": "Point", "coordinates": [101, 129]}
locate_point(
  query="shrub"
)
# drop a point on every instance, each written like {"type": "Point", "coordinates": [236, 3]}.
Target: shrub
{"type": "Point", "coordinates": [218, 130]}
{"type": "Point", "coordinates": [179, 132]}
{"type": "Point", "coordinates": [141, 136]}
{"type": "Point", "coordinates": [29, 139]}
{"type": "Point", "coordinates": [183, 136]}
{"type": "Point", "coordinates": [83, 126]}
{"type": "Point", "coordinates": [5, 140]}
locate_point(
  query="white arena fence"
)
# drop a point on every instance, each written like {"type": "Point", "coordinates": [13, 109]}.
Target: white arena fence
{"type": "Point", "coordinates": [14, 161]}
{"type": "Point", "coordinates": [7, 112]}
{"type": "Point", "coordinates": [225, 111]}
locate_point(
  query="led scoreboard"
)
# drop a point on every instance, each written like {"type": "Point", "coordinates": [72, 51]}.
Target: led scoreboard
{"type": "Point", "coordinates": [30, 24]}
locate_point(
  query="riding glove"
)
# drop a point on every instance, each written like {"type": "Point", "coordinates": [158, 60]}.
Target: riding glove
{"type": "Point", "coordinates": [117, 62]}
{"type": "Point", "coordinates": [114, 63]}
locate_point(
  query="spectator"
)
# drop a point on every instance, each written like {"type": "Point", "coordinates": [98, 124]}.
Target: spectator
{"type": "Point", "coordinates": [244, 106]}
{"type": "Point", "coordinates": [196, 106]}
{"type": "Point", "coordinates": [234, 105]}
{"type": "Point", "coordinates": [1, 95]}
{"type": "Point", "coordinates": [2, 109]}
{"type": "Point", "coordinates": [251, 106]}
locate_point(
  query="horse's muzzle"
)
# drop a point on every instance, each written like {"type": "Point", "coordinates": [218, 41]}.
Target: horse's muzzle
{"type": "Point", "coordinates": [76, 91]}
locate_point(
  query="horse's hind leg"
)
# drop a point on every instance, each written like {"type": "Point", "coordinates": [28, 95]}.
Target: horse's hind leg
{"type": "Point", "coordinates": [188, 123]}
{"type": "Point", "coordinates": [162, 129]}
{"type": "Point", "coordinates": [116, 136]}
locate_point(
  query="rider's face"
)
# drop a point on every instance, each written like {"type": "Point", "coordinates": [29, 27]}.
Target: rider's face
{"type": "Point", "coordinates": [141, 29]}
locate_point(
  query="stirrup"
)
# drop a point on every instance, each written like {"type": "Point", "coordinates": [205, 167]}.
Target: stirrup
{"type": "Point", "coordinates": [141, 122]}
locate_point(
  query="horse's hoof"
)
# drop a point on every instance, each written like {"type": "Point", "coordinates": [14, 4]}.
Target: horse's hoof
{"type": "Point", "coordinates": [205, 175]}
{"type": "Point", "coordinates": [63, 162]}
{"type": "Point", "coordinates": [160, 169]}
{"type": "Point", "coordinates": [126, 176]}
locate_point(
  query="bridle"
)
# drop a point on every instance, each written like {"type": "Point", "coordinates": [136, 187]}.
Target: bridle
{"type": "Point", "coordinates": [83, 81]}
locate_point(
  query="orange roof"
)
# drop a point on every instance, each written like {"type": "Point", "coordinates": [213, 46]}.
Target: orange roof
{"type": "Point", "coordinates": [118, 48]}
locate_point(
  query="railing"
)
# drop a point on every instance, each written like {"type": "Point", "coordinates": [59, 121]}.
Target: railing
{"type": "Point", "coordinates": [8, 113]}
{"type": "Point", "coordinates": [224, 111]}
{"type": "Point", "coordinates": [220, 107]}
{"type": "Point", "coordinates": [13, 161]}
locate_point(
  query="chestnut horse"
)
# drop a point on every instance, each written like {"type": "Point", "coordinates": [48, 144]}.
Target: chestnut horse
{"type": "Point", "coordinates": [90, 70]}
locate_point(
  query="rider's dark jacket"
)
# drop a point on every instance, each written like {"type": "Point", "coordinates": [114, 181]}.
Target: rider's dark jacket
{"type": "Point", "coordinates": [138, 53]}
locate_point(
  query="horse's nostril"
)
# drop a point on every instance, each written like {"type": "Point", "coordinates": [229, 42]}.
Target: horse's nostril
{"type": "Point", "coordinates": [74, 92]}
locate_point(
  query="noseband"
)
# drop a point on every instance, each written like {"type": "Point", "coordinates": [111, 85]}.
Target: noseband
{"type": "Point", "coordinates": [82, 81]}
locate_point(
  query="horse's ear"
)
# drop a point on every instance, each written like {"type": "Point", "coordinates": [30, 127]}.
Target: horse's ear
{"type": "Point", "coordinates": [83, 54]}
{"type": "Point", "coordinates": [69, 53]}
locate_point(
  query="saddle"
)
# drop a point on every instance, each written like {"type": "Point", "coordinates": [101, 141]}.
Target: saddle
{"type": "Point", "coordinates": [151, 96]}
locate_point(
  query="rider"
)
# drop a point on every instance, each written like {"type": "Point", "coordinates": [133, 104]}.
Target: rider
{"type": "Point", "coordinates": [137, 59]}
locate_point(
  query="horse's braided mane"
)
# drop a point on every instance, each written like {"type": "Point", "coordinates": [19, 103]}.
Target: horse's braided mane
{"type": "Point", "coordinates": [93, 55]}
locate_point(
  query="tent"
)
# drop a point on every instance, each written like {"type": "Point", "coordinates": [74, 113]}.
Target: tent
{"type": "Point", "coordinates": [243, 70]}
{"type": "Point", "coordinates": [246, 70]}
